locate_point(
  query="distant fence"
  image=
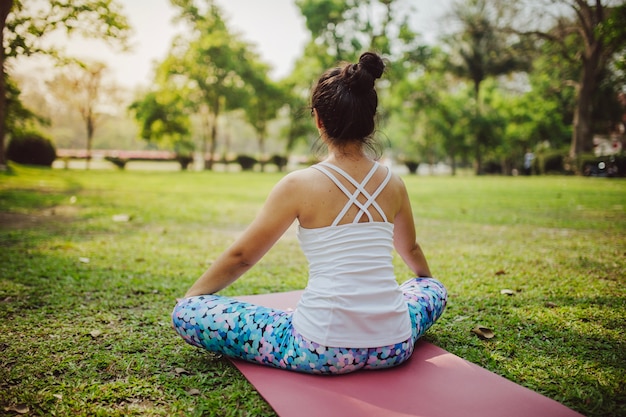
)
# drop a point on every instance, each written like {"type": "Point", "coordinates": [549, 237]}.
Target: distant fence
{"type": "Point", "coordinates": [128, 155]}
{"type": "Point", "coordinates": [120, 158]}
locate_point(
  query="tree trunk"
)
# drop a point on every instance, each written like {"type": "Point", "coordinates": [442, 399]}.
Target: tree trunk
{"type": "Point", "coordinates": [208, 164]}
{"type": "Point", "coordinates": [90, 129]}
{"type": "Point", "coordinates": [261, 140]}
{"type": "Point", "coordinates": [205, 135]}
{"type": "Point", "coordinates": [582, 135]}
{"type": "Point", "coordinates": [478, 137]}
{"type": "Point", "coordinates": [5, 8]}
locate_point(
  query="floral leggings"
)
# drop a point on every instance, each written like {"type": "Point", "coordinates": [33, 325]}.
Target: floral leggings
{"type": "Point", "coordinates": [266, 336]}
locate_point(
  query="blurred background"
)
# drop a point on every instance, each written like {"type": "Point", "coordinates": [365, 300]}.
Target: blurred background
{"type": "Point", "coordinates": [471, 87]}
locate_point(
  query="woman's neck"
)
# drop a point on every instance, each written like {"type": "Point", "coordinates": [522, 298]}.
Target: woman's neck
{"type": "Point", "coordinates": [347, 154]}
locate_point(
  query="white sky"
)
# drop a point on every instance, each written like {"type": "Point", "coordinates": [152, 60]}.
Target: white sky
{"type": "Point", "coordinates": [274, 26]}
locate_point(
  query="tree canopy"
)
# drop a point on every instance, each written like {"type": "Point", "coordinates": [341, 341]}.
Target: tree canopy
{"type": "Point", "coordinates": [25, 28]}
{"type": "Point", "coordinates": [505, 78]}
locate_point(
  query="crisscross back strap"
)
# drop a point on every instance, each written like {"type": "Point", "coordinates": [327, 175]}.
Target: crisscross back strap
{"type": "Point", "coordinates": [359, 190]}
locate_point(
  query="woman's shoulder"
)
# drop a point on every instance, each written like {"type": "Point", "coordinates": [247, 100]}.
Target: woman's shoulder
{"type": "Point", "coordinates": [395, 181]}
{"type": "Point", "coordinates": [299, 180]}
{"type": "Point", "coordinates": [301, 175]}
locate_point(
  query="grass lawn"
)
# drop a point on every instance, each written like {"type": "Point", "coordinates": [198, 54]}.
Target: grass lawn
{"type": "Point", "coordinates": [85, 299]}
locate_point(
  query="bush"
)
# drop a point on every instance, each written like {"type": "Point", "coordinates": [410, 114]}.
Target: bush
{"type": "Point", "coordinates": [412, 166]}
{"type": "Point", "coordinates": [118, 162]}
{"type": "Point", "coordinates": [552, 163]}
{"type": "Point", "coordinates": [247, 162]}
{"type": "Point", "coordinates": [184, 161]}
{"type": "Point", "coordinates": [492, 167]}
{"type": "Point", "coordinates": [280, 161]}
{"type": "Point", "coordinates": [31, 148]}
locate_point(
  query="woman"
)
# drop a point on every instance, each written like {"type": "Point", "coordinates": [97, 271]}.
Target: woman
{"type": "Point", "coordinates": [351, 213]}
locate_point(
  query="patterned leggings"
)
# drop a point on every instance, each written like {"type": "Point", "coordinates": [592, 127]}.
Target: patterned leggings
{"type": "Point", "coordinates": [265, 335]}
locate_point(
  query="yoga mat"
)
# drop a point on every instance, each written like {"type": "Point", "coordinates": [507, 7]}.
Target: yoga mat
{"type": "Point", "coordinates": [433, 383]}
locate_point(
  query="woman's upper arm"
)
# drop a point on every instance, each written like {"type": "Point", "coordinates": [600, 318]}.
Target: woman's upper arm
{"type": "Point", "coordinates": [405, 241]}
{"type": "Point", "coordinates": [404, 238]}
{"type": "Point", "coordinates": [275, 216]}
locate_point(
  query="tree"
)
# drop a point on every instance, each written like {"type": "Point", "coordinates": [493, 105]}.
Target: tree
{"type": "Point", "coordinates": [333, 24]}
{"type": "Point", "coordinates": [83, 87]}
{"type": "Point", "coordinates": [541, 116]}
{"type": "Point", "coordinates": [212, 65]}
{"type": "Point", "coordinates": [450, 119]}
{"type": "Point", "coordinates": [18, 117]}
{"type": "Point", "coordinates": [480, 50]}
{"type": "Point", "coordinates": [163, 117]}
{"type": "Point", "coordinates": [597, 31]}
{"type": "Point", "coordinates": [341, 30]}
{"type": "Point", "coordinates": [24, 31]}
{"type": "Point", "coordinates": [264, 100]}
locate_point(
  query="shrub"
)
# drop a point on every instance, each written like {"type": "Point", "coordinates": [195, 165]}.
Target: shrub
{"type": "Point", "coordinates": [184, 161]}
{"type": "Point", "coordinates": [412, 166]}
{"type": "Point", "coordinates": [552, 163]}
{"type": "Point", "coordinates": [492, 167]}
{"type": "Point", "coordinates": [31, 148]}
{"type": "Point", "coordinates": [247, 162]}
{"type": "Point", "coordinates": [280, 161]}
{"type": "Point", "coordinates": [118, 162]}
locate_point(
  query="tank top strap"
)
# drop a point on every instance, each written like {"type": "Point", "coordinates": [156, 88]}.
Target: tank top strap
{"type": "Point", "coordinates": [352, 197]}
{"type": "Point", "coordinates": [359, 190]}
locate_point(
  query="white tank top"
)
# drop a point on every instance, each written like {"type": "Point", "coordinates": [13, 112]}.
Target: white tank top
{"type": "Point", "coordinates": [352, 298]}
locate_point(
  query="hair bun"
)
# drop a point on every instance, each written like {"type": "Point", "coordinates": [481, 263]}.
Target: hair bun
{"type": "Point", "coordinates": [372, 63]}
{"type": "Point", "coordinates": [360, 77]}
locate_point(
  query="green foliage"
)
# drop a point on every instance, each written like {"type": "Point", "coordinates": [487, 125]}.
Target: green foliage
{"type": "Point", "coordinates": [27, 30]}
{"type": "Point", "coordinates": [217, 72]}
{"type": "Point", "coordinates": [162, 118]}
{"type": "Point", "coordinates": [246, 162]}
{"type": "Point", "coordinates": [265, 98]}
{"type": "Point", "coordinates": [31, 148]}
{"type": "Point", "coordinates": [184, 161]}
{"type": "Point", "coordinates": [481, 49]}
{"type": "Point", "coordinates": [19, 118]}
{"type": "Point", "coordinates": [82, 88]}
{"type": "Point", "coordinates": [551, 162]}
{"type": "Point", "coordinates": [117, 161]}
{"type": "Point", "coordinates": [328, 21]}
{"type": "Point", "coordinates": [586, 39]}
{"type": "Point", "coordinates": [280, 161]}
{"type": "Point", "coordinates": [412, 166]}
{"type": "Point", "coordinates": [28, 27]}
{"type": "Point", "coordinates": [341, 31]}
{"type": "Point", "coordinates": [478, 51]}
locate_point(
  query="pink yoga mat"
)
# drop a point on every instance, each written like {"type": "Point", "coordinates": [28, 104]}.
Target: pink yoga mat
{"type": "Point", "coordinates": [433, 383]}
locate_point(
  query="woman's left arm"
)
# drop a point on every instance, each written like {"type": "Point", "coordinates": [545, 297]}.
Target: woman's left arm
{"type": "Point", "coordinates": [277, 214]}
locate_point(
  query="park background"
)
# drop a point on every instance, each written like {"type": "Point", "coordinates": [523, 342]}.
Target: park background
{"type": "Point", "coordinates": [91, 260]}
{"type": "Point", "coordinates": [478, 84]}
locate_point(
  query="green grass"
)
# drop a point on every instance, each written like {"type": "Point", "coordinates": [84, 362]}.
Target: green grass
{"type": "Point", "coordinates": [85, 300]}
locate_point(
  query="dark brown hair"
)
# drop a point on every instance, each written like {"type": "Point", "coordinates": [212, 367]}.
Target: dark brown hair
{"type": "Point", "coordinates": [345, 100]}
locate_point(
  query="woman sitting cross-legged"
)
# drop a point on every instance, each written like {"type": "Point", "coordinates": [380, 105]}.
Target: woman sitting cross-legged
{"type": "Point", "coordinates": [351, 213]}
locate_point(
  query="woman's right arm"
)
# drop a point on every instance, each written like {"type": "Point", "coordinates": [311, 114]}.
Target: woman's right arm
{"type": "Point", "coordinates": [277, 214]}
{"type": "Point", "coordinates": [404, 238]}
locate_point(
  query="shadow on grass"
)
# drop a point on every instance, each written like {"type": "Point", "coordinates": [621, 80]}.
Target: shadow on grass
{"type": "Point", "coordinates": [568, 348]}
{"type": "Point", "coordinates": [77, 339]}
